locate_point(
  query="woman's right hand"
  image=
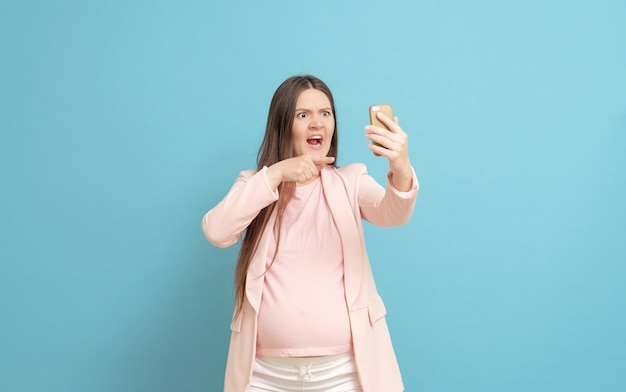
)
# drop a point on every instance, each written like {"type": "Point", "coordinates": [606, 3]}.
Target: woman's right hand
{"type": "Point", "coordinates": [301, 169]}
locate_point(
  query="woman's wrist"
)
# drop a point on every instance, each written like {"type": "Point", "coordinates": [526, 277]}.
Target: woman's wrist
{"type": "Point", "coordinates": [402, 179]}
{"type": "Point", "coordinates": [274, 175]}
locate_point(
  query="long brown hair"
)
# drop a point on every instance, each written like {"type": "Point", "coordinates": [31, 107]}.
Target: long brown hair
{"type": "Point", "coordinates": [277, 146]}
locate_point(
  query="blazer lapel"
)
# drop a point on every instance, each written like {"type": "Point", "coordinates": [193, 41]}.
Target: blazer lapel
{"type": "Point", "coordinates": [337, 197]}
{"type": "Point", "coordinates": [256, 271]}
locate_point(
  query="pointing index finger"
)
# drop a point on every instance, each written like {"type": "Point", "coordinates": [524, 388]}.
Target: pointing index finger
{"type": "Point", "coordinates": [324, 160]}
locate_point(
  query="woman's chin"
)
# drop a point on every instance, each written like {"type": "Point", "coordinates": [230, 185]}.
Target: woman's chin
{"type": "Point", "coordinates": [314, 152]}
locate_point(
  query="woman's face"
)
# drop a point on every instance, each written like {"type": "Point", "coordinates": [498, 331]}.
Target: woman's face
{"type": "Point", "coordinates": [313, 125]}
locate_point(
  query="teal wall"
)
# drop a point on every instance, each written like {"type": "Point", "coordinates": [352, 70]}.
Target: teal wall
{"type": "Point", "coordinates": [123, 122]}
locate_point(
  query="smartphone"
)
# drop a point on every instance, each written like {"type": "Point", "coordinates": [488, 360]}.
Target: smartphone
{"type": "Point", "coordinates": [386, 110]}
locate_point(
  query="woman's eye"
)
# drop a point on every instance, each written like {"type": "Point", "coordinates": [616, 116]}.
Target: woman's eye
{"type": "Point", "coordinates": [301, 115]}
{"type": "Point", "coordinates": [326, 114]}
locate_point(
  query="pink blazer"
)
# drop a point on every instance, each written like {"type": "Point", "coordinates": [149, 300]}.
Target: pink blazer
{"type": "Point", "coordinates": [352, 195]}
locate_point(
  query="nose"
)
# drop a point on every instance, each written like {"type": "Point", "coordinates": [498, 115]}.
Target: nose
{"type": "Point", "coordinates": [316, 122]}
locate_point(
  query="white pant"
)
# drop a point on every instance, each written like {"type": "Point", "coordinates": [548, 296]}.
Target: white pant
{"type": "Point", "coordinates": [332, 373]}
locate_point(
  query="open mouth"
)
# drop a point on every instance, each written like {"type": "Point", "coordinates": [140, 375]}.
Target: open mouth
{"type": "Point", "coordinates": [314, 140]}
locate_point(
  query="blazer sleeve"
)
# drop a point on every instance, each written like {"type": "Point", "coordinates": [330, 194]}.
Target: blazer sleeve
{"type": "Point", "coordinates": [251, 192]}
{"type": "Point", "coordinates": [385, 206]}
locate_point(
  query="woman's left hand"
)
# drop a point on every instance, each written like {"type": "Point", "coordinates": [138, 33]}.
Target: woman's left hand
{"type": "Point", "coordinates": [393, 145]}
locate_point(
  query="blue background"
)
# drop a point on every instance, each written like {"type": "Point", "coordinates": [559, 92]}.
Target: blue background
{"type": "Point", "coordinates": [122, 123]}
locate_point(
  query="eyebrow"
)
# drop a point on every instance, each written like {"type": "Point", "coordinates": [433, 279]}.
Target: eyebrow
{"type": "Point", "coordinates": [308, 110]}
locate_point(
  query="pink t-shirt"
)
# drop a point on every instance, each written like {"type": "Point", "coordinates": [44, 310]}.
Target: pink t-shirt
{"type": "Point", "coordinates": [303, 308]}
